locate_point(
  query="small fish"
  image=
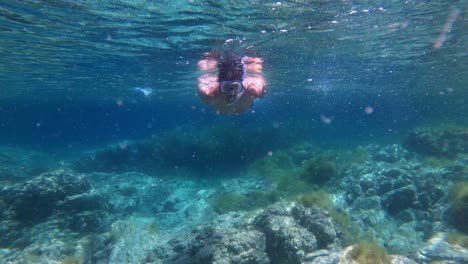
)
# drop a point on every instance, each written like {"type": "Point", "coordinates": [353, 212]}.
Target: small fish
{"type": "Point", "coordinates": [147, 91]}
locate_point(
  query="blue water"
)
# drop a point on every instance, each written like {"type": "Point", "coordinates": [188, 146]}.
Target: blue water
{"type": "Point", "coordinates": [66, 64]}
{"type": "Point", "coordinates": [69, 72]}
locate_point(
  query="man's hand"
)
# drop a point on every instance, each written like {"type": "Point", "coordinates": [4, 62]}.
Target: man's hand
{"type": "Point", "coordinates": [253, 64]}
{"type": "Point", "coordinates": [207, 64]}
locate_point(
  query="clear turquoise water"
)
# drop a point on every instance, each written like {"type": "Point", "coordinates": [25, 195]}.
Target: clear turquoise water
{"type": "Point", "coordinates": [68, 77]}
{"type": "Point", "coordinates": [65, 64]}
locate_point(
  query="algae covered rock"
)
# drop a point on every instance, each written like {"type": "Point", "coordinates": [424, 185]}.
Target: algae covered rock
{"type": "Point", "coordinates": [438, 249]}
{"type": "Point", "coordinates": [319, 170]}
{"type": "Point", "coordinates": [440, 142]}
{"type": "Point", "coordinates": [362, 253]}
{"type": "Point", "coordinates": [37, 199]}
{"type": "Point", "coordinates": [390, 154]}
{"type": "Point", "coordinates": [458, 212]}
{"type": "Point", "coordinates": [399, 204]}
{"type": "Point", "coordinates": [287, 241]}
{"type": "Point", "coordinates": [215, 244]}
{"type": "Point", "coordinates": [318, 222]}
{"type": "Point", "coordinates": [400, 199]}
{"type": "Point", "coordinates": [293, 232]}
{"type": "Point", "coordinates": [184, 147]}
{"type": "Point", "coordinates": [280, 233]}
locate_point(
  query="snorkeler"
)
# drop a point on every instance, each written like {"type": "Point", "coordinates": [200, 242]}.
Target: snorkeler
{"type": "Point", "coordinates": [232, 84]}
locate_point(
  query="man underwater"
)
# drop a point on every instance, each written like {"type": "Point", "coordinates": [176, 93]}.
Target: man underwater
{"type": "Point", "coordinates": [233, 83]}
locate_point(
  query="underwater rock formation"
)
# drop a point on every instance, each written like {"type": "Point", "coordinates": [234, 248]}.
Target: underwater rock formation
{"type": "Point", "coordinates": [438, 250]}
{"type": "Point", "coordinates": [293, 232]}
{"type": "Point", "coordinates": [227, 240]}
{"type": "Point", "coordinates": [215, 148]}
{"type": "Point", "coordinates": [281, 233]}
{"type": "Point", "coordinates": [348, 256]}
{"type": "Point", "coordinates": [224, 245]}
{"type": "Point", "coordinates": [17, 165]}
{"type": "Point", "coordinates": [390, 154]}
{"type": "Point", "coordinates": [458, 211]}
{"type": "Point", "coordinates": [134, 217]}
{"type": "Point", "coordinates": [37, 199]}
{"type": "Point", "coordinates": [101, 205]}
{"type": "Point", "coordinates": [402, 195]}
{"type": "Point", "coordinates": [446, 142]}
{"type": "Point", "coordinates": [54, 196]}
{"type": "Point", "coordinates": [319, 170]}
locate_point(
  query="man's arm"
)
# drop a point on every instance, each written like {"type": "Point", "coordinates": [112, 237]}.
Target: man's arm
{"type": "Point", "coordinates": [207, 86]}
{"type": "Point", "coordinates": [253, 64]}
{"type": "Point", "coordinates": [207, 64]}
{"type": "Point", "coordinates": [254, 82]}
{"type": "Point", "coordinates": [255, 85]}
{"type": "Point", "coordinates": [207, 83]}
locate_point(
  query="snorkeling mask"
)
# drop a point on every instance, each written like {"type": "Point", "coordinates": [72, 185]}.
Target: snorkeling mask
{"type": "Point", "coordinates": [231, 87]}
{"type": "Point", "coordinates": [233, 90]}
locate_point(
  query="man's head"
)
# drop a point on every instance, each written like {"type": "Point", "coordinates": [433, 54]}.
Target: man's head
{"type": "Point", "coordinates": [231, 75]}
{"type": "Point", "coordinates": [230, 67]}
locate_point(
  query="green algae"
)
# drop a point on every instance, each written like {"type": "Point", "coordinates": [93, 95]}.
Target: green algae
{"type": "Point", "coordinates": [455, 238]}
{"type": "Point", "coordinates": [320, 199]}
{"type": "Point", "coordinates": [319, 170]}
{"type": "Point", "coordinates": [234, 201]}
{"type": "Point", "coordinates": [459, 206]}
{"type": "Point", "coordinates": [369, 253]}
